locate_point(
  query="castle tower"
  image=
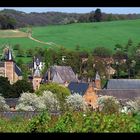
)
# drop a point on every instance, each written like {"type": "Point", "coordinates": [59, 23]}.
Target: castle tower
{"type": "Point", "coordinates": [9, 65]}
{"type": "Point", "coordinates": [36, 76]}
{"type": "Point", "coordinates": [97, 81]}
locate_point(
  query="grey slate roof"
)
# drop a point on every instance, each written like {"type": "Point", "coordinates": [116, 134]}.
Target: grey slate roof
{"type": "Point", "coordinates": [123, 84]}
{"type": "Point", "coordinates": [18, 70]}
{"type": "Point", "coordinates": [76, 87]}
{"type": "Point", "coordinates": [8, 55]}
{"type": "Point", "coordinates": [61, 74]}
{"type": "Point", "coordinates": [11, 101]}
{"type": "Point", "coordinates": [120, 94]}
{"type": "Point", "coordinates": [1, 64]}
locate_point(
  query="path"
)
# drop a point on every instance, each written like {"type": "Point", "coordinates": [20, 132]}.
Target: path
{"type": "Point", "coordinates": [47, 43]}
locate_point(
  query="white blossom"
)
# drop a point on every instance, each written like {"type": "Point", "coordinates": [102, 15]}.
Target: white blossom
{"type": "Point", "coordinates": [76, 102]}
{"type": "Point", "coordinates": [50, 101]}
{"type": "Point", "coordinates": [3, 105]}
{"type": "Point", "coordinates": [134, 105]}
{"type": "Point", "coordinates": [101, 101]}
{"type": "Point", "coordinates": [30, 102]}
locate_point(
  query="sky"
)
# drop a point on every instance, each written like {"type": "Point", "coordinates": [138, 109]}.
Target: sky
{"type": "Point", "coordinates": [115, 10]}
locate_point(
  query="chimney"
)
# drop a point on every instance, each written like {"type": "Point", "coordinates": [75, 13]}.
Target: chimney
{"type": "Point", "coordinates": [97, 81]}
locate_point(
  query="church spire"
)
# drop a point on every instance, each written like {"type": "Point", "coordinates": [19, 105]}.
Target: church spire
{"type": "Point", "coordinates": [8, 54]}
{"type": "Point", "coordinates": [97, 77]}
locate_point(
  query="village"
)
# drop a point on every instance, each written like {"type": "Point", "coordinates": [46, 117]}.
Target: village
{"type": "Point", "coordinates": [64, 76]}
{"type": "Point", "coordinates": [69, 72]}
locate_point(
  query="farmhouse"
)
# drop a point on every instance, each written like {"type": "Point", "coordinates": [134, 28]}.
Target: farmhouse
{"type": "Point", "coordinates": [8, 67]}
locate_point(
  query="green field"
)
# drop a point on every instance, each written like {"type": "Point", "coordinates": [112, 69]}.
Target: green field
{"type": "Point", "coordinates": [86, 35]}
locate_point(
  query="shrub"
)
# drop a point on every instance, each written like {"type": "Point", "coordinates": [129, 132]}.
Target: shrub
{"type": "Point", "coordinates": [76, 102]}
{"type": "Point", "coordinates": [108, 104]}
{"type": "Point", "coordinates": [3, 105]}
{"type": "Point", "coordinates": [39, 123]}
{"type": "Point", "coordinates": [50, 101]}
{"type": "Point", "coordinates": [61, 92]}
{"type": "Point", "coordinates": [30, 102]}
{"type": "Point", "coordinates": [22, 86]}
{"type": "Point", "coordinates": [134, 105]}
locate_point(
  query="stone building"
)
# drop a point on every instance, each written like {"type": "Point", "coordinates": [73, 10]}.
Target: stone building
{"type": "Point", "coordinates": [60, 74]}
{"type": "Point", "coordinates": [87, 90]}
{"type": "Point", "coordinates": [37, 76]}
{"type": "Point", "coordinates": [8, 67]}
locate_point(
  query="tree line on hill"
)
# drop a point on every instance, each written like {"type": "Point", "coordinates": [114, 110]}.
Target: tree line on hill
{"type": "Point", "coordinates": [10, 19]}
{"type": "Point", "coordinates": [125, 60]}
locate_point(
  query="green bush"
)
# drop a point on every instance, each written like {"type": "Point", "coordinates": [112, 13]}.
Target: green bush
{"type": "Point", "coordinates": [39, 123]}
{"type": "Point", "coordinates": [61, 92]}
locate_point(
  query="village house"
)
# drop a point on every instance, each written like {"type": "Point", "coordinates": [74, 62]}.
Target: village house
{"type": "Point", "coordinates": [122, 89]}
{"type": "Point", "coordinates": [87, 90]}
{"type": "Point", "coordinates": [8, 67]}
{"type": "Point", "coordinates": [60, 74]}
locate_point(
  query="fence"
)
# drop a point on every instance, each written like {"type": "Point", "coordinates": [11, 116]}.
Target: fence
{"type": "Point", "coordinates": [22, 114]}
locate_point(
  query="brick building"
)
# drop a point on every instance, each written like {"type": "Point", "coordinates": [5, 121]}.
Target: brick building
{"type": "Point", "coordinates": [87, 90]}
{"type": "Point", "coordinates": [8, 67]}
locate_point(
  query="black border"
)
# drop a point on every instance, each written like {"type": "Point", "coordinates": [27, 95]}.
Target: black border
{"type": "Point", "coordinates": [69, 3]}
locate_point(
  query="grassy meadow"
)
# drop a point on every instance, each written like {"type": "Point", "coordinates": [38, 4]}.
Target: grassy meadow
{"type": "Point", "coordinates": [86, 35]}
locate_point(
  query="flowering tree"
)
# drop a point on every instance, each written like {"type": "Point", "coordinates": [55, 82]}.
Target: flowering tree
{"type": "Point", "coordinates": [76, 102]}
{"type": "Point", "coordinates": [30, 102]}
{"type": "Point", "coordinates": [108, 104]}
{"type": "Point", "coordinates": [50, 101]}
{"type": "Point", "coordinates": [3, 105]}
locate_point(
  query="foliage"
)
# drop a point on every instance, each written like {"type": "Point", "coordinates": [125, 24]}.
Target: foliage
{"type": "Point", "coordinates": [3, 105]}
{"type": "Point", "coordinates": [102, 52]}
{"type": "Point", "coordinates": [6, 89]}
{"type": "Point", "coordinates": [50, 101]}
{"type": "Point", "coordinates": [39, 123]}
{"type": "Point", "coordinates": [30, 102]}
{"type": "Point", "coordinates": [108, 104]}
{"type": "Point", "coordinates": [134, 105]}
{"type": "Point", "coordinates": [22, 86]}
{"type": "Point", "coordinates": [97, 15]}
{"type": "Point", "coordinates": [76, 102]}
{"type": "Point", "coordinates": [61, 92]}
{"type": "Point", "coordinates": [74, 122]}
{"type": "Point", "coordinates": [65, 123]}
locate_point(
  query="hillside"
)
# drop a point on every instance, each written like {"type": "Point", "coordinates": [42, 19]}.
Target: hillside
{"type": "Point", "coordinates": [86, 35]}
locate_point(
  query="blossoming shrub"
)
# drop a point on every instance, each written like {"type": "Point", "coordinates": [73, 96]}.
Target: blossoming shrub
{"type": "Point", "coordinates": [3, 105]}
{"type": "Point", "coordinates": [50, 101]}
{"type": "Point", "coordinates": [75, 102]}
{"type": "Point", "coordinates": [30, 102]}
{"type": "Point", "coordinates": [108, 104]}
{"type": "Point", "coordinates": [134, 105]}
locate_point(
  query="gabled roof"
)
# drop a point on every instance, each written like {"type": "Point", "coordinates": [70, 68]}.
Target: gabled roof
{"type": "Point", "coordinates": [61, 74]}
{"type": "Point", "coordinates": [8, 55]}
{"type": "Point", "coordinates": [11, 101]}
{"type": "Point", "coordinates": [37, 72]}
{"type": "Point", "coordinates": [123, 84]}
{"type": "Point", "coordinates": [76, 87]}
{"type": "Point", "coordinates": [120, 94]}
{"type": "Point", "coordinates": [18, 70]}
{"type": "Point", "coordinates": [1, 64]}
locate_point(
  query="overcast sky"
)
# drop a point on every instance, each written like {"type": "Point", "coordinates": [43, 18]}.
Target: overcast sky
{"type": "Point", "coordinates": [119, 10]}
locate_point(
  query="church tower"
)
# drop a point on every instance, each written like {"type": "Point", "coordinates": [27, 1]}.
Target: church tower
{"type": "Point", "coordinates": [97, 81]}
{"type": "Point", "coordinates": [9, 65]}
{"type": "Point", "coordinates": [36, 76]}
